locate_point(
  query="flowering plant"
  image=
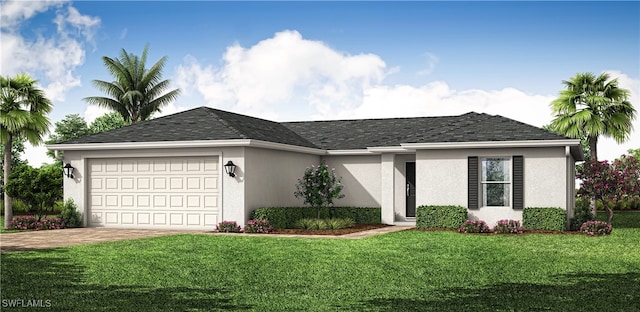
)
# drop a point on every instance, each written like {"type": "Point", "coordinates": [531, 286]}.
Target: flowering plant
{"type": "Point", "coordinates": [32, 223]}
{"type": "Point", "coordinates": [258, 226]}
{"type": "Point", "coordinates": [596, 228]}
{"type": "Point", "coordinates": [508, 227]}
{"type": "Point", "coordinates": [228, 227]}
{"type": "Point", "coordinates": [474, 226]}
{"type": "Point", "coordinates": [610, 183]}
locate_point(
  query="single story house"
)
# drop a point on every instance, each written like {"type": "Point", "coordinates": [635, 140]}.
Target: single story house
{"type": "Point", "coordinates": [169, 172]}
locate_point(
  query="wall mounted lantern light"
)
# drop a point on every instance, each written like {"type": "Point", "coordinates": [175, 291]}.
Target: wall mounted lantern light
{"type": "Point", "coordinates": [230, 168]}
{"type": "Point", "coordinates": [68, 171]}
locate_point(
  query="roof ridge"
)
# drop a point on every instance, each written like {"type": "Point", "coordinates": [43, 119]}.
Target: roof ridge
{"type": "Point", "coordinates": [214, 112]}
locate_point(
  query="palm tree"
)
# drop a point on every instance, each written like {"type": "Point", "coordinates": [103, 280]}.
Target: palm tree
{"type": "Point", "coordinates": [23, 113]}
{"type": "Point", "coordinates": [592, 107]}
{"type": "Point", "coordinates": [136, 92]}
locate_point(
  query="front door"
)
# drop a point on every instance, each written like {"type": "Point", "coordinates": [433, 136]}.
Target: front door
{"type": "Point", "coordinates": [410, 189]}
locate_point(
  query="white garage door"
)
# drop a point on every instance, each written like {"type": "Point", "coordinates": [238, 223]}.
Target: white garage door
{"type": "Point", "coordinates": [158, 192]}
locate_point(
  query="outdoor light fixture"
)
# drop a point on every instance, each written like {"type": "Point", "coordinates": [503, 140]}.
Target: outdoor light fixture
{"type": "Point", "coordinates": [230, 168]}
{"type": "Point", "coordinates": [68, 170]}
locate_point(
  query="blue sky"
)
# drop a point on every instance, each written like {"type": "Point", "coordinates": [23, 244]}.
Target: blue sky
{"type": "Point", "coordinates": [331, 60]}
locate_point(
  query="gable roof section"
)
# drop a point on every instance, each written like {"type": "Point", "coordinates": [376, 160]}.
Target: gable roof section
{"type": "Point", "coordinates": [363, 133]}
{"type": "Point", "coordinates": [202, 123]}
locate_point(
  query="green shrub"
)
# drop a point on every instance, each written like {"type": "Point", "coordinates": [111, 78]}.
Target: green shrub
{"type": "Point", "coordinates": [339, 223]}
{"type": "Point", "coordinates": [258, 226]}
{"type": "Point", "coordinates": [324, 224]}
{"type": "Point", "coordinates": [310, 224]}
{"type": "Point", "coordinates": [581, 214]}
{"type": "Point", "coordinates": [474, 226]}
{"type": "Point", "coordinates": [541, 218]}
{"type": "Point", "coordinates": [228, 227]}
{"type": "Point", "coordinates": [440, 216]}
{"type": "Point", "coordinates": [286, 217]}
{"type": "Point", "coordinates": [596, 228]}
{"type": "Point", "coordinates": [70, 215]}
{"type": "Point", "coordinates": [508, 227]}
{"type": "Point", "coordinates": [34, 223]}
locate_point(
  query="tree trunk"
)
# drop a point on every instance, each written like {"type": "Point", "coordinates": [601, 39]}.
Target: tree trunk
{"type": "Point", "coordinates": [8, 209]}
{"type": "Point", "coordinates": [610, 209]}
{"type": "Point", "coordinates": [593, 146]}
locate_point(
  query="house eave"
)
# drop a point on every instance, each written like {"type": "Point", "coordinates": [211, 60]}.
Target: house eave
{"type": "Point", "coordinates": [491, 144]}
{"type": "Point", "coordinates": [185, 144]}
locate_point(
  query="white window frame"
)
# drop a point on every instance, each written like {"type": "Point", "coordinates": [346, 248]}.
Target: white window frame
{"type": "Point", "coordinates": [509, 182]}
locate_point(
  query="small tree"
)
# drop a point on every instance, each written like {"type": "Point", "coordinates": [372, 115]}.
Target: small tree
{"type": "Point", "coordinates": [319, 187]}
{"type": "Point", "coordinates": [38, 188]}
{"type": "Point", "coordinates": [611, 183]}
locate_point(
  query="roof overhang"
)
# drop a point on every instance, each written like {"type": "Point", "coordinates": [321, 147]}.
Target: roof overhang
{"type": "Point", "coordinates": [185, 144]}
{"type": "Point", "coordinates": [574, 146]}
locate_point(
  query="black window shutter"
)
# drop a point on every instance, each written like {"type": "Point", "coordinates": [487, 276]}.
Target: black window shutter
{"type": "Point", "coordinates": [473, 201]}
{"type": "Point", "coordinates": [518, 182]}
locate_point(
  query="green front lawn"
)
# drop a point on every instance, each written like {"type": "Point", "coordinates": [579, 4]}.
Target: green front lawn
{"type": "Point", "coordinates": [406, 271]}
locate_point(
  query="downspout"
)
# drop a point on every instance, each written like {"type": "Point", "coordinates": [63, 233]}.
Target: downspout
{"type": "Point", "coordinates": [56, 154]}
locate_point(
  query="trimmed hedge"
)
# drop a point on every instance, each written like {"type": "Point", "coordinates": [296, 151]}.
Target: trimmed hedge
{"type": "Point", "coordinates": [440, 216]}
{"type": "Point", "coordinates": [286, 217]}
{"type": "Point", "coordinates": [544, 218]}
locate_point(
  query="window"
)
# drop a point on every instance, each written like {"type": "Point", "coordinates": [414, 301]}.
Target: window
{"type": "Point", "coordinates": [496, 182]}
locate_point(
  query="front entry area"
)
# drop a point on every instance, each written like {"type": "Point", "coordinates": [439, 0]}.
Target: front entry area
{"type": "Point", "coordinates": [410, 170]}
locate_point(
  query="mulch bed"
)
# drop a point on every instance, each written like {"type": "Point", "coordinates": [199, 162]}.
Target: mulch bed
{"type": "Point", "coordinates": [354, 229]}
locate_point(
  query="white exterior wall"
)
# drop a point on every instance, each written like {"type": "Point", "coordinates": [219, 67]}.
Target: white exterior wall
{"type": "Point", "coordinates": [232, 189]}
{"type": "Point", "coordinates": [270, 178]}
{"type": "Point", "coordinates": [361, 177]}
{"type": "Point", "coordinates": [441, 179]}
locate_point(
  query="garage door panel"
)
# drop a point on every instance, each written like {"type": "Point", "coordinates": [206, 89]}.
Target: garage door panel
{"type": "Point", "coordinates": [161, 192]}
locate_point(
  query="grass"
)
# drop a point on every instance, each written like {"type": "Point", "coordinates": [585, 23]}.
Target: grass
{"type": "Point", "coordinates": [405, 271]}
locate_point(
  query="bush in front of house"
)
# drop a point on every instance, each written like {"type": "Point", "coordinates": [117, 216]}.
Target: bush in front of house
{"type": "Point", "coordinates": [324, 224]}
{"type": "Point", "coordinates": [581, 214]}
{"type": "Point", "coordinates": [596, 228]}
{"type": "Point", "coordinates": [70, 215]}
{"type": "Point", "coordinates": [32, 223]}
{"type": "Point", "coordinates": [428, 217]}
{"type": "Point", "coordinates": [258, 226]}
{"type": "Point", "coordinates": [544, 218]}
{"type": "Point", "coordinates": [228, 227]}
{"type": "Point", "coordinates": [286, 217]}
{"type": "Point", "coordinates": [474, 226]}
{"type": "Point", "coordinates": [508, 227]}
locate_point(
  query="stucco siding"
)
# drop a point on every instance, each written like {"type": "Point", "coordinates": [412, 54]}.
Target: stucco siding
{"type": "Point", "coordinates": [361, 177]}
{"type": "Point", "coordinates": [270, 177]}
{"type": "Point", "coordinates": [441, 179]}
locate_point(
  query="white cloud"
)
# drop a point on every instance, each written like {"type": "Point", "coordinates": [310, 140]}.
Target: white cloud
{"type": "Point", "coordinates": [432, 61]}
{"type": "Point", "coordinates": [51, 60]}
{"type": "Point", "coordinates": [289, 77]}
{"type": "Point", "coordinates": [285, 69]}
{"type": "Point", "coordinates": [12, 12]}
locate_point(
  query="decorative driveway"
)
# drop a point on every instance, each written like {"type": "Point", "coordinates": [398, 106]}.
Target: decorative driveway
{"type": "Point", "coordinates": [31, 240]}
{"type": "Point", "coordinates": [34, 240]}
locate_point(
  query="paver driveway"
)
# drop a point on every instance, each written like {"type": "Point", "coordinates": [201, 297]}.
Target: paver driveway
{"type": "Point", "coordinates": [32, 240]}
{"type": "Point", "coordinates": [59, 238]}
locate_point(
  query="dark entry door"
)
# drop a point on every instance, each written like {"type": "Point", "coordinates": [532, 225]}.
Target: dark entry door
{"type": "Point", "coordinates": [410, 189]}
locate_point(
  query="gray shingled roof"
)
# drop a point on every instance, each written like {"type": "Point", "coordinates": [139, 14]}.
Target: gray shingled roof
{"type": "Point", "coordinates": [205, 123]}
{"type": "Point", "coordinates": [202, 123]}
{"type": "Point", "coordinates": [363, 133]}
